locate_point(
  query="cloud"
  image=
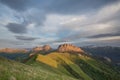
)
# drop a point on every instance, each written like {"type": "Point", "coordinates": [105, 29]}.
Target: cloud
{"type": "Point", "coordinates": [16, 28]}
{"type": "Point", "coordinates": [75, 7]}
{"type": "Point", "coordinates": [101, 22]}
{"type": "Point", "coordinates": [26, 38]}
{"type": "Point", "coordinates": [72, 21]}
{"type": "Point", "coordinates": [53, 6]}
{"type": "Point", "coordinates": [108, 41]}
{"type": "Point", "coordinates": [35, 16]}
{"type": "Point", "coordinates": [9, 43]}
{"type": "Point", "coordinates": [80, 27]}
{"type": "Point", "coordinates": [18, 5]}
{"type": "Point", "coordinates": [36, 11]}
{"type": "Point", "coordinates": [105, 35]}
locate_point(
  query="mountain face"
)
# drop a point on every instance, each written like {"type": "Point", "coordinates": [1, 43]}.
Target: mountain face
{"type": "Point", "coordinates": [69, 48]}
{"type": "Point", "coordinates": [68, 62]}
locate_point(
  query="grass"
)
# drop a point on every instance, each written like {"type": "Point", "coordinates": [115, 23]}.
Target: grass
{"type": "Point", "coordinates": [97, 69]}
{"type": "Point", "coordinates": [82, 67]}
{"type": "Point", "coordinates": [11, 70]}
{"type": "Point", "coordinates": [57, 66]}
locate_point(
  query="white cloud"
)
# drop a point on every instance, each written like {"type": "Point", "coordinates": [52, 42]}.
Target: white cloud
{"type": "Point", "coordinates": [102, 21]}
{"type": "Point", "coordinates": [72, 19]}
{"type": "Point", "coordinates": [108, 11]}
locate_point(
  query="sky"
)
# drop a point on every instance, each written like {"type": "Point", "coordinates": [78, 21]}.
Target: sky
{"type": "Point", "coordinates": [30, 23]}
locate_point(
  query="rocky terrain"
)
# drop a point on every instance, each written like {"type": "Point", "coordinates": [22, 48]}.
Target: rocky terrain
{"type": "Point", "coordinates": [69, 48]}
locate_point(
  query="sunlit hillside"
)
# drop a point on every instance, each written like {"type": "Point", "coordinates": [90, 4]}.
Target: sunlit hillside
{"type": "Point", "coordinates": [79, 66]}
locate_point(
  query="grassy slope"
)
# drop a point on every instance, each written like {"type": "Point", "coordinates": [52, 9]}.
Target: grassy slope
{"type": "Point", "coordinates": [11, 70]}
{"type": "Point", "coordinates": [97, 69]}
{"type": "Point", "coordinates": [65, 65]}
{"type": "Point", "coordinates": [60, 66]}
{"type": "Point", "coordinates": [80, 67]}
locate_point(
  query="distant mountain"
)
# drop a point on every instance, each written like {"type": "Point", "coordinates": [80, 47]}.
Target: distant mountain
{"type": "Point", "coordinates": [112, 53]}
{"type": "Point", "coordinates": [14, 54]}
{"type": "Point", "coordinates": [11, 50]}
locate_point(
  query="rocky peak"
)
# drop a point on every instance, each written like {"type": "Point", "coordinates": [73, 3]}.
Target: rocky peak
{"type": "Point", "coordinates": [46, 47]}
{"type": "Point", "coordinates": [42, 48]}
{"type": "Point", "coordinates": [69, 48]}
{"type": "Point", "coordinates": [37, 49]}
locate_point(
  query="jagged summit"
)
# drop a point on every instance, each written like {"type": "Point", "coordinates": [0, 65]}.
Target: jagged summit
{"type": "Point", "coordinates": [69, 48]}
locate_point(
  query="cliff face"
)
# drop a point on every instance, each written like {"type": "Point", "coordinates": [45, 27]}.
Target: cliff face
{"type": "Point", "coordinates": [69, 48]}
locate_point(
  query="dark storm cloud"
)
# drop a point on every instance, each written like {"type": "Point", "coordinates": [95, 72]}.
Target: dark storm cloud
{"type": "Point", "coordinates": [115, 42]}
{"type": "Point", "coordinates": [76, 6]}
{"type": "Point", "coordinates": [19, 5]}
{"type": "Point", "coordinates": [25, 38]}
{"type": "Point", "coordinates": [16, 28]}
{"type": "Point", "coordinates": [80, 36]}
{"type": "Point", "coordinates": [41, 8]}
{"type": "Point", "coordinates": [36, 17]}
{"type": "Point", "coordinates": [57, 6]}
{"type": "Point", "coordinates": [105, 35]}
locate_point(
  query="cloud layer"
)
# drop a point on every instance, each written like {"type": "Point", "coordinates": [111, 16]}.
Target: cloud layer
{"type": "Point", "coordinates": [81, 22]}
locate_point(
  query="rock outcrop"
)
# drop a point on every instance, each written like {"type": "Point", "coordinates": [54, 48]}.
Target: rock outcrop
{"type": "Point", "coordinates": [42, 48]}
{"type": "Point", "coordinates": [37, 49]}
{"type": "Point", "coordinates": [69, 48]}
{"type": "Point", "coordinates": [46, 48]}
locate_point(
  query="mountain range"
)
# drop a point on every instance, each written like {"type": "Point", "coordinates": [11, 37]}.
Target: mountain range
{"type": "Point", "coordinates": [113, 53]}
{"type": "Point", "coordinates": [67, 62]}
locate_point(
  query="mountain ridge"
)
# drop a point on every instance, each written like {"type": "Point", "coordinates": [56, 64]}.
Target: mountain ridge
{"type": "Point", "coordinates": [72, 62]}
